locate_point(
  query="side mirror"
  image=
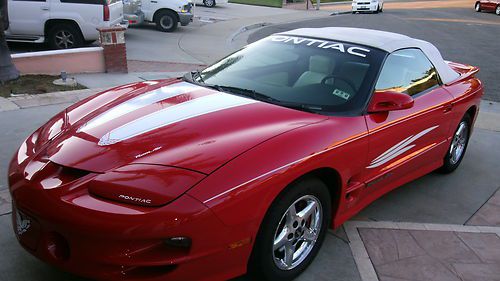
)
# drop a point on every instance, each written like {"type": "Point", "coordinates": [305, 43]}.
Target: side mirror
{"type": "Point", "coordinates": [384, 101]}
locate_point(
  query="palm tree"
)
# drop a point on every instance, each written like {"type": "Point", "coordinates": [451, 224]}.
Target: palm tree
{"type": "Point", "coordinates": [7, 69]}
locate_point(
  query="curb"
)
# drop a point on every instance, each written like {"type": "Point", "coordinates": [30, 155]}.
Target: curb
{"type": "Point", "coordinates": [15, 103]}
{"type": "Point", "coordinates": [340, 13]}
{"type": "Point", "coordinates": [246, 28]}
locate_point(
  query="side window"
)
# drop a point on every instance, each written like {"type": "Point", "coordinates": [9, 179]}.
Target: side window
{"type": "Point", "coordinates": [407, 71]}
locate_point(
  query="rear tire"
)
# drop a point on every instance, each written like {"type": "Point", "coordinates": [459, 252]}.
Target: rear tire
{"type": "Point", "coordinates": [283, 234]}
{"type": "Point", "coordinates": [497, 10]}
{"type": "Point", "coordinates": [477, 7]}
{"type": "Point", "coordinates": [166, 21]}
{"type": "Point", "coordinates": [458, 146]}
{"type": "Point", "coordinates": [65, 36]}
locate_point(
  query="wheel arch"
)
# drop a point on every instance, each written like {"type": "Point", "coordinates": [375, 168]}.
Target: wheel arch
{"type": "Point", "coordinates": [49, 24]}
{"type": "Point", "coordinates": [330, 177]}
{"type": "Point", "coordinates": [472, 111]}
{"type": "Point", "coordinates": [165, 10]}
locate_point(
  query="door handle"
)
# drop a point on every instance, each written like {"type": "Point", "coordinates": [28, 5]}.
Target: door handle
{"type": "Point", "coordinates": [448, 108]}
{"type": "Point", "coordinates": [154, 2]}
{"type": "Point", "coordinates": [44, 8]}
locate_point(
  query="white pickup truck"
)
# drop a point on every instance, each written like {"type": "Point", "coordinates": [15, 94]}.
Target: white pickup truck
{"type": "Point", "coordinates": [62, 24]}
{"type": "Point", "coordinates": [166, 14]}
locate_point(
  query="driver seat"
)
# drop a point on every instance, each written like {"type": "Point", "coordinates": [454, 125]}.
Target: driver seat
{"type": "Point", "coordinates": [319, 68]}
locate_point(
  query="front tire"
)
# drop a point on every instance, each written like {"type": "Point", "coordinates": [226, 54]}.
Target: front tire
{"type": "Point", "coordinates": [166, 21]}
{"type": "Point", "coordinates": [477, 7]}
{"type": "Point", "coordinates": [497, 10]}
{"type": "Point", "coordinates": [65, 36]}
{"type": "Point", "coordinates": [292, 231]}
{"type": "Point", "coordinates": [209, 3]}
{"type": "Point", "coordinates": [458, 146]}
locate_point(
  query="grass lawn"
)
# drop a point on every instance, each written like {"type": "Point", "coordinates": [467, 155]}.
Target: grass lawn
{"type": "Point", "coordinates": [331, 1]}
{"type": "Point", "coordinates": [269, 3]}
{"type": "Point", "coordinates": [33, 85]}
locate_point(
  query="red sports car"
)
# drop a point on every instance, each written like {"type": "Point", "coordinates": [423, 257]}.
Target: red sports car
{"type": "Point", "coordinates": [488, 6]}
{"type": "Point", "coordinates": [241, 167]}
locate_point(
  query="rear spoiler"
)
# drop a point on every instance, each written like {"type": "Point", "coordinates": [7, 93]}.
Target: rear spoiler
{"type": "Point", "coordinates": [465, 71]}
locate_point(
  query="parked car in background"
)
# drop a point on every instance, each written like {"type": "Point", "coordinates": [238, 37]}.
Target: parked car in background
{"type": "Point", "coordinates": [373, 6]}
{"type": "Point", "coordinates": [63, 24]}
{"type": "Point", "coordinates": [210, 3]}
{"type": "Point", "coordinates": [166, 14]}
{"type": "Point", "coordinates": [488, 6]}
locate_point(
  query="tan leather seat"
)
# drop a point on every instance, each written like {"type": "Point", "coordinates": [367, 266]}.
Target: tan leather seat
{"type": "Point", "coordinates": [319, 68]}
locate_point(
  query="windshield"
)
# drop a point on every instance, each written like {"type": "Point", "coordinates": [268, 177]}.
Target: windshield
{"type": "Point", "coordinates": [303, 73]}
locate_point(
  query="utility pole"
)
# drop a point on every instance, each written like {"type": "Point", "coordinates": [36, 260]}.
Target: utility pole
{"type": "Point", "coordinates": [317, 4]}
{"type": "Point", "coordinates": [8, 71]}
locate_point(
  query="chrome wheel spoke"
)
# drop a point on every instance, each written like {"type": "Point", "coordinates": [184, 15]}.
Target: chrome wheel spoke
{"type": "Point", "coordinates": [310, 235]}
{"type": "Point", "coordinates": [291, 215]}
{"type": "Point", "coordinates": [281, 240]}
{"type": "Point", "coordinates": [289, 251]}
{"type": "Point", "coordinates": [307, 211]}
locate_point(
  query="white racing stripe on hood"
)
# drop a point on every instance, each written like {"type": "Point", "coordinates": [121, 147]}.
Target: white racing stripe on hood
{"type": "Point", "coordinates": [138, 102]}
{"type": "Point", "coordinates": [173, 114]}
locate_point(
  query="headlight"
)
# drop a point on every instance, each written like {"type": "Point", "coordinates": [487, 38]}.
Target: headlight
{"type": "Point", "coordinates": [143, 184]}
{"type": "Point", "coordinates": [186, 8]}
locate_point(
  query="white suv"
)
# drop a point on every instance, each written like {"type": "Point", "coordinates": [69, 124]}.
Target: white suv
{"type": "Point", "coordinates": [373, 6]}
{"type": "Point", "coordinates": [62, 24]}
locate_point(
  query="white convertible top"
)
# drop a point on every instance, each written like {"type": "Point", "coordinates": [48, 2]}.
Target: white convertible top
{"type": "Point", "coordinates": [383, 40]}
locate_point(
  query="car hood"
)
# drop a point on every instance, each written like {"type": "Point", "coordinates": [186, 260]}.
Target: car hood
{"type": "Point", "coordinates": [171, 123]}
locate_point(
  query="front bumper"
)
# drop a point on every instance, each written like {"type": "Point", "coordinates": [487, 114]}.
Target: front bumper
{"type": "Point", "coordinates": [106, 240]}
{"type": "Point", "coordinates": [364, 7]}
{"type": "Point", "coordinates": [185, 18]}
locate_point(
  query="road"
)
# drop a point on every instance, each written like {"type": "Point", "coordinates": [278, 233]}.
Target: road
{"type": "Point", "coordinates": [462, 35]}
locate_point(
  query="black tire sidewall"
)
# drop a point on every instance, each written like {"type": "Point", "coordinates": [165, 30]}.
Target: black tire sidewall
{"type": "Point", "coordinates": [477, 7]}
{"type": "Point", "coordinates": [166, 14]}
{"type": "Point", "coordinates": [261, 263]}
{"type": "Point", "coordinates": [78, 38]}
{"type": "Point", "coordinates": [449, 167]}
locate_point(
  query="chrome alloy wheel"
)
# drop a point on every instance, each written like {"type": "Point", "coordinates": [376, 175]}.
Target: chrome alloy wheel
{"type": "Point", "coordinates": [478, 7]}
{"type": "Point", "coordinates": [64, 39]}
{"type": "Point", "coordinates": [459, 142]}
{"type": "Point", "coordinates": [297, 232]}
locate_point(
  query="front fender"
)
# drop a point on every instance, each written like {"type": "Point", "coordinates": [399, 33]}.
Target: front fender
{"type": "Point", "coordinates": [241, 191]}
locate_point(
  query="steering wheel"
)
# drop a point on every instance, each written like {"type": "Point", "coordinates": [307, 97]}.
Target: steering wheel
{"type": "Point", "coordinates": [348, 82]}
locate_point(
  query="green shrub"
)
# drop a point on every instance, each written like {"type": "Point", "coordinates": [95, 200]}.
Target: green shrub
{"type": "Point", "coordinates": [269, 3]}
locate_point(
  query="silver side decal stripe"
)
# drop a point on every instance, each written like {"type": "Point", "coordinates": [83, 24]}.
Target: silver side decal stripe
{"type": "Point", "coordinates": [173, 114]}
{"type": "Point", "coordinates": [140, 102]}
{"type": "Point", "coordinates": [399, 148]}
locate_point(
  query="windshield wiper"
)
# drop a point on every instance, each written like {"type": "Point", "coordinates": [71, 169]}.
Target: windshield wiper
{"type": "Point", "coordinates": [244, 92]}
{"type": "Point", "coordinates": [265, 98]}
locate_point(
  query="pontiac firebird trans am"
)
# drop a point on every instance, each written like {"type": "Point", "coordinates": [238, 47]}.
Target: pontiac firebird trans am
{"type": "Point", "coordinates": [241, 167]}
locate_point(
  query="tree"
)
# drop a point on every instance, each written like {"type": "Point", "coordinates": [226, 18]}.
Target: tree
{"type": "Point", "coordinates": [7, 69]}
